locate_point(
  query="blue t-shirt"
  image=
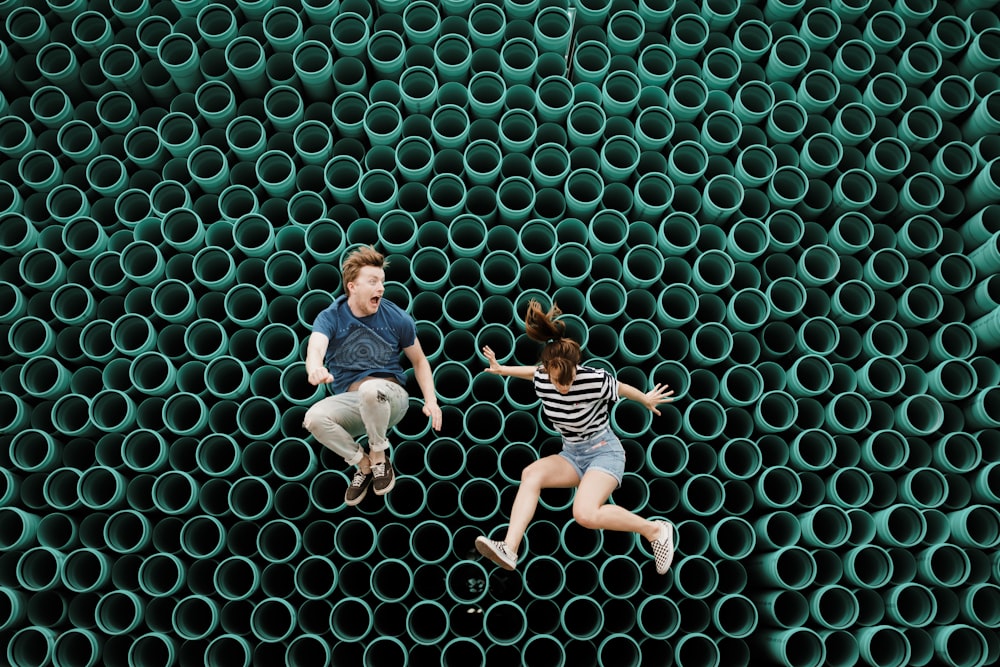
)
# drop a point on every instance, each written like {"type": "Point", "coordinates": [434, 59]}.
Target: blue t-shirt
{"type": "Point", "coordinates": [364, 346]}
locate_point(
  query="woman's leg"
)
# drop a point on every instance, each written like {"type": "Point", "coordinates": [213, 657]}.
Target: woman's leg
{"type": "Point", "coordinates": [550, 472]}
{"type": "Point", "coordinates": [591, 508]}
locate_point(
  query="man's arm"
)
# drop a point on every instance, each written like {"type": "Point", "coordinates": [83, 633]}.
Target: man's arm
{"type": "Point", "coordinates": [425, 380]}
{"type": "Point", "coordinates": [315, 354]}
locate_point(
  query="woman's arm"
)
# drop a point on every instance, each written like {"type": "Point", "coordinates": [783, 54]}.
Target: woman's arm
{"type": "Point", "coordinates": [651, 399]}
{"type": "Point", "coordinates": [523, 372]}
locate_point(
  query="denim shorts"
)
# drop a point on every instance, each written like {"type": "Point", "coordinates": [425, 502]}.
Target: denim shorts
{"type": "Point", "coordinates": [602, 451]}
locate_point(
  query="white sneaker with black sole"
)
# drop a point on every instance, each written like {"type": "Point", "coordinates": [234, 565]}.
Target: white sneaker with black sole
{"type": "Point", "coordinates": [497, 551]}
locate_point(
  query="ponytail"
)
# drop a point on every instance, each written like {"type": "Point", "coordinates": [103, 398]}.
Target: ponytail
{"type": "Point", "coordinates": [560, 355]}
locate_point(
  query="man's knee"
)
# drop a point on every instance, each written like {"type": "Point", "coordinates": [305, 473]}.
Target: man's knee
{"type": "Point", "coordinates": [311, 419]}
{"type": "Point", "coordinates": [372, 393]}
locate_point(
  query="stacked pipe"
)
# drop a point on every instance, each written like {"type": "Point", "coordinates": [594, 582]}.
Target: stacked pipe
{"type": "Point", "coordinates": [786, 210]}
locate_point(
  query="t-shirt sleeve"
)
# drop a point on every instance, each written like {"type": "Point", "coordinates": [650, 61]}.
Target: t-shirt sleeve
{"type": "Point", "coordinates": [406, 330]}
{"type": "Point", "coordinates": [323, 323]}
{"type": "Point", "coordinates": [610, 387]}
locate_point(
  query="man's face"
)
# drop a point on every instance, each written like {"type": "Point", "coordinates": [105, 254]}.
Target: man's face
{"type": "Point", "coordinates": [365, 292]}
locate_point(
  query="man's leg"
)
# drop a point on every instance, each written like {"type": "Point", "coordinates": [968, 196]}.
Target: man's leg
{"type": "Point", "coordinates": [336, 422]}
{"type": "Point", "coordinates": [382, 404]}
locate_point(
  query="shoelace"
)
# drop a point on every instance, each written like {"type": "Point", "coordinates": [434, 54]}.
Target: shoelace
{"type": "Point", "coordinates": [359, 479]}
{"type": "Point", "coordinates": [378, 469]}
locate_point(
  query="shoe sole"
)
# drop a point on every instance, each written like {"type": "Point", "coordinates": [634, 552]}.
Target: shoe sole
{"type": "Point", "coordinates": [483, 547]}
{"type": "Point", "coordinates": [356, 501]}
{"type": "Point", "coordinates": [382, 492]}
{"type": "Point", "coordinates": [673, 548]}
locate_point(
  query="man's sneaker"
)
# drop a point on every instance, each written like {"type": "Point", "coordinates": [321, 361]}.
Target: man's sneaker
{"type": "Point", "coordinates": [384, 478]}
{"type": "Point", "coordinates": [663, 547]}
{"type": "Point", "coordinates": [496, 551]}
{"type": "Point", "coordinates": [358, 489]}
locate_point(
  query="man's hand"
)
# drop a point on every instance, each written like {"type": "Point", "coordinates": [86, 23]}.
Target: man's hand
{"type": "Point", "coordinates": [434, 412]}
{"type": "Point", "coordinates": [320, 375]}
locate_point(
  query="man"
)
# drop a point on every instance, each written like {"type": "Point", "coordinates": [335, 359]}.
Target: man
{"type": "Point", "coordinates": [355, 346]}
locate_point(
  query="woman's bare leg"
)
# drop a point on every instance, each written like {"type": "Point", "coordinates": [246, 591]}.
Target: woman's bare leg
{"type": "Point", "coordinates": [591, 508]}
{"type": "Point", "coordinates": [551, 472]}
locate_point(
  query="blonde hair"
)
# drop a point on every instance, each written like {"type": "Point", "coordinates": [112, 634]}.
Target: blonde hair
{"type": "Point", "coordinates": [560, 355]}
{"type": "Point", "coordinates": [357, 260]}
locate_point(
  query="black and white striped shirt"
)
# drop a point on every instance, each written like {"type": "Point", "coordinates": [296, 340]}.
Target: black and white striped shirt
{"type": "Point", "coordinates": [583, 410]}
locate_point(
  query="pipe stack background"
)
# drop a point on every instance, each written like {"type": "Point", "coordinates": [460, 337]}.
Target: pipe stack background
{"type": "Point", "coordinates": [787, 210]}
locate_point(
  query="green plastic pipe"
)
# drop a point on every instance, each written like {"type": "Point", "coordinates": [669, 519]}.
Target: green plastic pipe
{"type": "Point", "coordinates": [175, 492]}
{"type": "Point", "coordinates": [31, 645]}
{"type": "Point", "coordinates": [884, 451]}
{"type": "Point", "coordinates": [16, 417]}
{"type": "Point", "coordinates": [834, 607]}
{"type": "Point", "coordinates": [900, 526]}
{"type": "Point", "coordinates": [235, 578]}
{"type": "Point", "coordinates": [704, 419]}
{"type": "Point", "coordinates": [797, 646]}
{"type": "Point", "coordinates": [581, 617]}
{"type": "Point", "coordinates": [960, 645]}
{"type": "Point", "coordinates": [273, 619]}
{"type": "Point", "coordinates": [195, 617]}
{"type": "Point", "coordinates": [853, 60]}
{"type": "Point", "coordinates": [884, 31]}
{"type": "Point", "coordinates": [919, 126]}
{"type": "Point", "coordinates": [696, 577]}
{"type": "Point", "coordinates": [76, 647]}
{"type": "Point", "coordinates": [246, 60]}
{"type": "Point", "coordinates": [161, 574]}
{"type": "Point", "coordinates": [817, 90]}
{"type": "Point", "coordinates": [19, 236]}
{"type": "Point", "coordinates": [591, 62]}
{"type": "Point", "coordinates": [119, 611]}
{"type": "Point", "coordinates": [787, 58]}
{"type": "Point", "coordinates": [976, 526]}
{"type": "Point", "coordinates": [735, 616]}
{"type": "Point", "coordinates": [40, 170]}
{"type": "Point", "coordinates": [884, 93]}
{"type": "Point", "coordinates": [775, 412]}
{"type": "Point", "coordinates": [29, 335]}
{"type": "Point", "coordinates": [778, 487]}
{"type": "Point", "coordinates": [90, 29]}
{"type": "Point", "coordinates": [884, 645]}
{"type": "Point", "coordinates": [178, 133]}
{"type": "Point", "coordinates": [101, 488]}
{"type": "Point", "coordinates": [127, 531]}
{"type": "Point", "coordinates": [515, 197]}
{"type": "Point", "coordinates": [518, 59]}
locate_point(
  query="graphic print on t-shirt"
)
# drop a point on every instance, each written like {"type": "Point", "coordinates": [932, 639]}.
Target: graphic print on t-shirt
{"type": "Point", "coordinates": [363, 349]}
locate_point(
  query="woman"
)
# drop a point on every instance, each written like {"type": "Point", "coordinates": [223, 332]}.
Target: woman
{"type": "Point", "coordinates": [576, 399]}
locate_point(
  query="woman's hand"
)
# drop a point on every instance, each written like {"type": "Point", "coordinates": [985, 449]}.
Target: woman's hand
{"type": "Point", "coordinates": [491, 357]}
{"type": "Point", "coordinates": [656, 396]}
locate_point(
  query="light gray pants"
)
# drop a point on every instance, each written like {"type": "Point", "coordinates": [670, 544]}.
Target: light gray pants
{"type": "Point", "coordinates": [337, 421]}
